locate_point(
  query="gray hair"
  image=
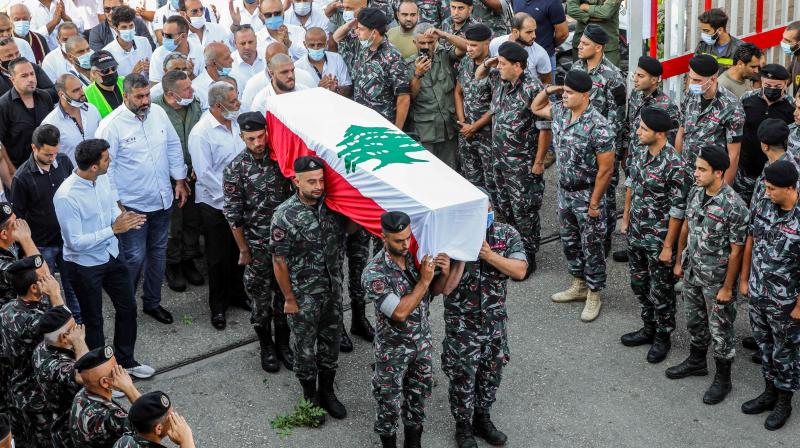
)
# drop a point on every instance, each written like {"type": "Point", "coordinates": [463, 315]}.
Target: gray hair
{"type": "Point", "coordinates": [422, 28]}
{"type": "Point", "coordinates": [279, 58]}
{"type": "Point", "coordinates": [18, 5]}
{"type": "Point", "coordinates": [52, 337]}
{"type": "Point", "coordinates": [173, 56]}
{"type": "Point", "coordinates": [218, 92]}
{"type": "Point", "coordinates": [61, 82]}
{"type": "Point", "coordinates": [211, 51]}
{"type": "Point", "coordinates": [74, 40]}
{"type": "Point", "coordinates": [65, 26]}
{"type": "Point", "coordinates": [170, 80]}
{"type": "Point", "coordinates": [134, 81]}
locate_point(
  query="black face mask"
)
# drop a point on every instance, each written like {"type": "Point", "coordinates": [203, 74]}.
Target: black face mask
{"type": "Point", "coordinates": [771, 93]}
{"type": "Point", "coordinates": [109, 79]}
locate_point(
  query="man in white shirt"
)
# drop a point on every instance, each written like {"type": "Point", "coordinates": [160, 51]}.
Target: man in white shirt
{"type": "Point", "coordinates": [200, 28]}
{"type": "Point", "coordinates": [213, 143]}
{"type": "Point", "coordinates": [6, 30]}
{"type": "Point", "coordinates": [523, 32]}
{"type": "Point", "coordinates": [241, 12]}
{"type": "Point", "coordinates": [173, 61]}
{"type": "Point", "coordinates": [176, 38]}
{"type": "Point", "coordinates": [73, 116]}
{"type": "Point", "coordinates": [218, 62]}
{"type": "Point", "coordinates": [308, 14]}
{"type": "Point", "coordinates": [145, 153]}
{"type": "Point", "coordinates": [260, 81]}
{"type": "Point", "coordinates": [276, 30]}
{"type": "Point", "coordinates": [282, 73]}
{"type": "Point", "coordinates": [326, 67]}
{"type": "Point", "coordinates": [246, 60]}
{"type": "Point", "coordinates": [46, 15]}
{"type": "Point", "coordinates": [20, 16]}
{"type": "Point", "coordinates": [79, 56]}
{"type": "Point", "coordinates": [55, 63]}
{"type": "Point", "coordinates": [131, 52]}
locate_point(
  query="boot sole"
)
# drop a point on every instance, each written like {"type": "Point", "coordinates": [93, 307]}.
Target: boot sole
{"type": "Point", "coordinates": [777, 427]}
{"type": "Point", "coordinates": [761, 411]}
{"type": "Point", "coordinates": [635, 344]}
{"type": "Point", "coordinates": [580, 299]}
{"type": "Point", "coordinates": [703, 372]}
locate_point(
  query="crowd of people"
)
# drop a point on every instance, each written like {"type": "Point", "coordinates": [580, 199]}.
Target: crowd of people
{"type": "Point", "coordinates": [130, 132]}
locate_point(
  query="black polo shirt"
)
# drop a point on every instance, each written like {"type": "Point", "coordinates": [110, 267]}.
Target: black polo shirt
{"type": "Point", "coordinates": [17, 122]}
{"type": "Point", "coordinates": [42, 82]}
{"type": "Point", "coordinates": [32, 192]}
{"type": "Point", "coordinates": [756, 110]}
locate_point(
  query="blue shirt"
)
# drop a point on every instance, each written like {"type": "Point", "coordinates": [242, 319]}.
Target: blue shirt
{"type": "Point", "coordinates": [547, 13]}
{"type": "Point", "coordinates": [86, 210]}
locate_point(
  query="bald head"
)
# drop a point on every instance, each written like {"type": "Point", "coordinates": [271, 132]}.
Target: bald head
{"type": "Point", "coordinates": [316, 32]}
{"type": "Point", "coordinates": [279, 58]}
{"type": "Point", "coordinates": [19, 11]}
{"type": "Point", "coordinates": [215, 51]}
{"type": "Point", "coordinates": [99, 378]}
{"type": "Point", "coordinates": [275, 48]}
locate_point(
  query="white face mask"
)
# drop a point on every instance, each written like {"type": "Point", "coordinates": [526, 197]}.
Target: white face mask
{"type": "Point", "coordinates": [198, 22]}
{"type": "Point", "coordinates": [302, 9]}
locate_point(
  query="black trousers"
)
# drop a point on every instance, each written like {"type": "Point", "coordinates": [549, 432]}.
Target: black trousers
{"type": "Point", "coordinates": [225, 276]}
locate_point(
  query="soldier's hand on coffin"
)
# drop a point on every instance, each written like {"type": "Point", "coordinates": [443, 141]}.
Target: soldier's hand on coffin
{"type": "Point", "coordinates": [442, 261]}
{"type": "Point", "coordinates": [426, 269]}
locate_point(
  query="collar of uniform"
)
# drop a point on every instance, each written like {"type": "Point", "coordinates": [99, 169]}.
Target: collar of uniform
{"type": "Point", "coordinates": [8, 253]}
{"type": "Point", "coordinates": [252, 158]}
{"type": "Point", "coordinates": [61, 350]}
{"type": "Point", "coordinates": [723, 191]}
{"type": "Point", "coordinates": [518, 82]}
{"type": "Point", "coordinates": [393, 265]}
{"type": "Point", "coordinates": [141, 441]}
{"type": "Point", "coordinates": [382, 46]}
{"type": "Point", "coordinates": [35, 168]}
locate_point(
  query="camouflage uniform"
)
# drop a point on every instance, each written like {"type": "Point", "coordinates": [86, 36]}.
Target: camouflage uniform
{"type": "Point", "coordinates": [760, 188]}
{"type": "Point", "coordinates": [54, 369]}
{"type": "Point", "coordinates": [357, 253]}
{"type": "Point", "coordinates": [449, 27]}
{"type": "Point", "coordinates": [498, 22]}
{"type": "Point", "coordinates": [514, 145]}
{"type": "Point", "coordinates": [135, 441]}
{"type": "Point", "coordinates": [713, 227]}
{"type": "Point", "coordinates": [794, 139]}
{"type": "Point", "coordinates": [403, 374]}
{"type": "Point", "coordinates": [7, 256]}
{"type": "Point", "coordinates": [636, 103]}
{"type": "Point", "coordinates": [658, 187]}
{"type": "Point", "coordinates": [576, 145]}
{"type": "Point", "coordinates": [95, 422]}
{"type": "Point", "coordinates": [433, 11]}
{"type": "Point", "coordinates": [475, 346]}
{"type": "Point", "coordinates": [475, 154]}
{"type": "Point", "coordinates": [387, 6]}
{"type": "Point", "coordinates": [311, 238]}
{"type": "Point", "coordinates": [773, 289]}
{"type": "Point", "coordinates": [379, 77]}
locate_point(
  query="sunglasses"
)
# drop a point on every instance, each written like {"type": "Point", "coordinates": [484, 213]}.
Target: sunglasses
{"type": "Point", "coordinates": [267, 15]}
{"type": "Point", "coordinates": [171, 36]}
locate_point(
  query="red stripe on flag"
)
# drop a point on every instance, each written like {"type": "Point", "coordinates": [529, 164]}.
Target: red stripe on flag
{"type": "Point", "coordinates": [654, 28]}
{"type": "Point", "coordinates": [759, 16]}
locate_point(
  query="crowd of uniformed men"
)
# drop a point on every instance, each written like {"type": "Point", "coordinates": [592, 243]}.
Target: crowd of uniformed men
{"type": "Point", "coordinates": [119, 153]}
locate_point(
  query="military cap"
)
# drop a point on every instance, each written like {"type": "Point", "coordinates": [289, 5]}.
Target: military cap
{"type": "Point", "coordinates": [656, 119]}
{"type": "Point", "coordinates": [372, 18]}
{"type": "Point", "coordinates": [24, 264]}
{"type": "Point", "coordinates": [478, 32]}
{"type": "Point", "coordinates": [782, 174]}
{"type": "Point", "coordinates": [466, 2]}
{"type": "Point", "coordinates": [651, 65]}
{"type": "Point", "coordinates": [596, 34]}
{"type": "Point", "coordinates": [716, 156]}
{"type": "Point", "coordinates": [53, 319]}
{"type": "Point", "coordinates": [578, 80]}
{"type": "Point", "coordinates": [704, 65]}
{"type": "Point", "coordinates": [5, 426]}
{"type": "Point", "coordinates": [94, 358]}
{"type": "Point", "coordinates": [149, 407]}
{"type": "Point", "coordinates": [5, 212]}
{"type": "Point", "coordinates": [102, 60]}
{"type": "Point", "coordinates": [513, 52]}
{"type": "Point", "coordinates": [773, 131]}
{"type": "Point", "coordinates": [251, 121]}
{"type": "Point", "coordinates": [774, 71]}
{"type": "Point", "coordinates": [394, 222]}
{"type": "Point", "coordinates": [308, 163]}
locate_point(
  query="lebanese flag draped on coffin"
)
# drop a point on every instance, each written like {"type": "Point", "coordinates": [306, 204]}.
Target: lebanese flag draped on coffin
{"type": "Point", "coordinates": [373, 167]}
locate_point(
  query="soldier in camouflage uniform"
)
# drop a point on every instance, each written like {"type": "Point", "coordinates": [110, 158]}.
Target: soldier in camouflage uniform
{"type": "Point", "coordinates": [773, 134]}
{"type": "Point", "coordinates": [584, 148]}
{"type": "Point", "coordinates": [458, 21]}
{"type": "Point", "coordinates": [253, 186]}
{"type": "Point", "coordinates": [498, 21]}
{"type": "Point", "coordinates": [517, 151]}
{"type": "Point", "coordinates": [794, 129]}
{"type": "Point", "coordinates": [403, 373]}
{"type": "Point", "coordinates": [709, 258]}
{"type": "Point", "coordinates": [152, 417]}
{"type": "Point", "coordinates": [769, 277]}
{"type": "Point", "coordinates": [433, 11]}
{"type": "Point", "coordinates": [343, 32]}
{"type": "Point", "coordinates": [655, 203]}
{"type": "Point", "coordinates": [475, 346]}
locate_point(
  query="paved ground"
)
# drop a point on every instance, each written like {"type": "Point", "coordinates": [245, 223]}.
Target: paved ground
{"type": "Point", "coordinates": [568, 384]}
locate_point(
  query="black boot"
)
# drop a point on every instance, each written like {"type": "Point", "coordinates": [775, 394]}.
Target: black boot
{"type": "Point", "coordinates": [694, 365]}
{"type": "Point", "coordinates": [283, 350]}
{"type": "Point", "coordinates": [389, 441]}
{"type": "Point", "coordinates": [756, 357]}
{"type": "Point", "coordinates": [642, 336]}
{"type": "Point", "coordinates": [175, 279]}
{"type": "Point", "coordinates": [413, 437]}
{"type": "Point", "coordinates": [359, 324]}
{"type": "Point", "coordinates": [749, 343]}
{"type": "Point", "coordinates": [722, 382]}
{"type": "Point", "coordinates": [190, 272]}
{"type": "Point", "coordinates": [764, 402]}
{"type": "Point", "coordinates": [783, 409]}
{"type": "Point", "coordinates": [345, 343]}
{"type": "Point", "coordinates": [483, 427]}
{"type": "Point", "coordinates": [660, 348]}
{"type": "Point", "coordinates": [327, 398]}
{"type": "Point", "coordinates": [310, 394]}
{"type": "Point", "coordinates": [464, 437]}
{"type": "Point", "coordinates": [620, 256]}
{"type": "Point", "coordinates": [268, 360]}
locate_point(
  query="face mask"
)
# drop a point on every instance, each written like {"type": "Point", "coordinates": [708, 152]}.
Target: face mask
{"type": "Point", "coordinates": [771, 93]}
{"type": "Point", "coordinates": [348, 16]}
{"type": "Point", "coordinates": [230, 114]}
{"type": "Point", "coordinates": [175, 4]}
{"type": "Point", "coordinates": [489, 219]}
{"type": "Point", "coordinates": [127, 35]}
{"type": "Point", "coordinates": [787, 49]}
{"type": "Point", "coordinates": [169, 44]}
{"type": "Point", "coordinates": [63, 47]}
{"type": "Point", "coordinates": [21, 27]}
{"type": "Point", "coordinates": [110, 79]}
{"type": "Point", "coordinates": [198, 22]}
{"type": "Point", "coordinates": [76, 103]}
{"type": "Point", "coordinates": [183, 102]}
{"type": "Point", "coordinates": [302, 8]}
{"type": "Point", "coordinates": [250, 2]}
{"type": "Point", "coordinates": [709, 38]}
{"type": "Point", "coordinates": [224, 71]}
{"type": "Point", "coordinates": [316, 55]}
{"type": "Point", "coordinates": [83, 60]}
{"type": "Point", "coordinates": [274, 22]}
{"type": "Point", "coordinates": [366, 42]}
{"type": "Point", "coordinates": [698, 89]}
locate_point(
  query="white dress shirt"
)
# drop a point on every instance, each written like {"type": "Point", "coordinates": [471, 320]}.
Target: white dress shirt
{"type": "Point", "coordinates": [538, 59]}
{"type": "Point", "coordinates": [71, 134]}
{"type": "Point", "coordinates": [200, 86]}
{"type": "Point", "coordinates": [214, 32]}
{"type": "Point", "coordinates": [195, 55]}
{"type": "Point", "coordinates": [25, 49]}
{"type": "Point", "coordinates": [260, 81]}
{"type": "Point", "coordinates": [317, 19]}
{"type": "Point", "coordinates": [334, 65]}
{"type": "Point", "coordinates": [86, 211]}
{"type": "Point", "coordinates": [127, 59]}
{"type": "Point", "coordinates": [212, 147]}
{"type": "Point", "coordinates": [41, 15]}
{"type": "Point", "coordinates": [242, 71]}
{"type": "Point", "coordinates": [55, 64]}
{"type": "Point", "coordinates": [162, 14]}
{"type": "Point", "coordinates": [297, 35]}
{"type": "Point", "coordinates": [144, 155]}
{"type": "Point", "coordinates": [246, 18]}
{"type": "Point", "coordinates": [260, 101]}
{"type": "Point", "coordinates": [86, 11]}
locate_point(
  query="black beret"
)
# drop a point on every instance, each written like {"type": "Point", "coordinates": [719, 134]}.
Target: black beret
{"type": "Point", "coordinates": [578, 80]}
{"type": "Point", "coordinates": [94, 358]}
{"type": "Point", "coordinates": [782, 174]}
{"type": "Point", "coordinates": [149, 407]}
{"type": "Point", "coordinates": [5, 426]}
{"type": "Point", "coordinates": [596, 34]}
{"type": "Point", "coordinates": [651, 65]}
{"type": "Point", "coordinates": [716, 156]}
{"type": "Point", "coordinates": [466, 2]}
{"type": "Point", "coordinates": [478, 32]}
{"type": "Point", "coordinates": [394, 222]}
{"type": "Point", "coordinates": [372, 18]}
{"type": "Point", "coordinates": [251, 121]}
{"type": "Point", "coordinates": [53, 319]}
{"type": "Point", "coordinates": [656, 119]}
{"type": "Point", "coordinates": [5, 212]}
{"type": "Point", "coordinates": [513, 52]}
{"type": "Point", "coordinates": [773, 131]}
{"type": "Point", "coordinates": [27, 263]}
{"type": "Point", "coordinates": [704, 65]}
{"type": "Point", "coordinates": [308, 163]}
{"type": "Point", "coordinates": [774, 71]}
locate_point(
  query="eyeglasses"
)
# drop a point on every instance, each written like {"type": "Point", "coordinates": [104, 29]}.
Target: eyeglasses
{"type": "Point", "coordinates": [267, 15]}
{"type": "Point", "coordinates": [194, 11]}
{"type": "Point", "coordinates": [109, 10]}
{"type": "Point", "coordinates": [107, 71]}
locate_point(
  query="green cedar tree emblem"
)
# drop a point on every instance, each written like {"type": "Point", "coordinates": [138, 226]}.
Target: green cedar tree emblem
{"type": "Point", "coordinates": [388, 146]}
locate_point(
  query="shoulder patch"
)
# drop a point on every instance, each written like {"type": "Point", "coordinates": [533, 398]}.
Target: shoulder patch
{"type": "Point", "coordinates": [378, 286]}
{"type": "Point", "coordinates": [278, 234]}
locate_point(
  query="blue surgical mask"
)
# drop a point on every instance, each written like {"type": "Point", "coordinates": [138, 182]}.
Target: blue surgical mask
{"type": "Point", "coordinates": [366, 42]}
{"type": "Point", "coordinates": [348, 16]}
{"type": "Point", "coordinates": [21, 27]}
{"type": "Point", "coordinates": [250, 2]}
{"type": "Point", "coordinates": [224, 71]}
{"type": "Point", "coordinates": [169, 44]}
{"type": "Point", "coordinates": [127, 35]}
{"type": "Point", "coordinates": [302, 9]}
{"type": "Point", "coordinates": [175, 4]}
{"type": "Point", "coordinates": [84, 61]}
{"type": "Point", "coordinates": [489, 219]}
{"type": "Point", "coordinates": [784, 46]}
{"type": "Point", "coordinates": [697, 89]}
{"type": "Point", "coordinates": [709, 39]}
{"type": "Point", "coordinates": [274, 22]}
{"type": "Point", "coordinates": [316, 55]}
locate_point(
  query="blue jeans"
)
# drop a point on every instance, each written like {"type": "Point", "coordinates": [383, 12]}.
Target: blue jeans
{"type": "Point", "coordinates": [55, 261]}
{"type": "Point", "coordinates": [145, 250]}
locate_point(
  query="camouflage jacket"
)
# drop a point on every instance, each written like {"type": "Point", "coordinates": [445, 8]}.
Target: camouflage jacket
{"type": "Point", "coordinates": [775, 266]}
{"type": "Point", "coordinates": [713, 227]}
{"type": "Point", "coordinates": [636, 103]}
{"type": "Point", "coordinates": [434, 106]}
{"type": "Point", "coordinates": [311, 238]}
{"type": "Point", "coordinates": [476, 93]}
{"type": "Point", "coordinates": [449, 27]}
{"type": "Point", "coordinates": [135, 441]}
{"type": "Point", "coordinates": [481, 293]}
{"type": "Point", "coordinates": [253, 188]}
{"type": "Point", "coordinates": [658, 192]}
{"type": "Point", "coordinates": [432, 11]}
{"type": "Point", "coordinates": [18, 321]}
{"type": "Point", "coordinates": [379, 77]}
{"type": "Point", "coordinates": [498, 22]}
{"type": "Point", "coordinates": [54, 369]}
{"type": "Point", "coordinates": [387, 6]}
{"type": "Point", "coordinates": [720, 123]}
{"type": "Point", "coordinates": [760, 188]}
{"type": "Point", "coordinates": [514, 132]}
{"type": "Point", "coordinates": [794, 139]}
{"type": "Point", "coordinates": [607, 95]}
{"type": "Point", "coordinates": [95, 422]}
{"type": "Point", "coordinates": [7, 256]}
{"type": "Point", "coordinates": [577, 145]}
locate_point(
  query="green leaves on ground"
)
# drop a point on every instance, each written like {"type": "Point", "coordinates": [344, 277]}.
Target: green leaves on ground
{"type": "Point", "coordinates": [304, 414]}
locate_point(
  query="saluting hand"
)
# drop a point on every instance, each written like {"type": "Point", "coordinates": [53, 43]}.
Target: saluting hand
{"type": "Point", "coordinates": [179, 431]}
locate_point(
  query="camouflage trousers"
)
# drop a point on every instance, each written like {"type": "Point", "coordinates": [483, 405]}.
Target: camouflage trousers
{"type": "Point", "coordinates": [401, 382]}
{"type": "Point", "coordinates": [582, 237]}
{"type": "Point", "coordinates": [744, 186]}
{"type": "Point", "coordinates": [474, 157]}
{"type": "Point", "coordinates": [519, 198]}
{"type": "Point", "coordinates": [778, 337]}
{"type": "Point", "coordinates": [653, 283]}
{"type": "Point", "coordinates": [30, 430]}
{"type": "Point", "coordinates": [705, 327]}
{"type": "Point", "coordinates": [358, 255]}
{"type": "Point", "coordinates": [60, 431]}
{"type": "Point", "coordinates": [473, 356]}
{"type": "Point", "coordinates": [5, 377]}
{"type": "Point", "coordinates": [315, 334]}
{"type": "Point", "coordinates": [611, 203]}
{"type": "Point", "coordinates": [445, 151]}
{"type": "Point", "coordinates": [265, 296]}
